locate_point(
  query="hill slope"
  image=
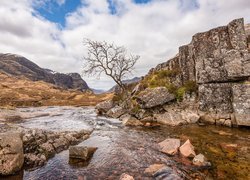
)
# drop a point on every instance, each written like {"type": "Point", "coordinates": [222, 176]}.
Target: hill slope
{"type": "Point", "coordinates": [19, 91]}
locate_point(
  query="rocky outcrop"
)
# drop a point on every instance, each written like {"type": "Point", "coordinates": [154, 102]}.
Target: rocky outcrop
{"type": "Point", "coordinates": [20, 66]}
{"type": "Point", "coordinates": [219, 62]}
{"type": "Point", "coordinates": [11, 153]}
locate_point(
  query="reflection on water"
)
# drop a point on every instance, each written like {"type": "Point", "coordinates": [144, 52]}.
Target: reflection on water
{"type": "Point", "coordinates": [131, 150]}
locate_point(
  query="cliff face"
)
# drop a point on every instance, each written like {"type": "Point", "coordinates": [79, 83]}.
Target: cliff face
{"type": "Point", "coordinates": [219, 62]}
{"type": "Point", "coordinates": [20, 66]}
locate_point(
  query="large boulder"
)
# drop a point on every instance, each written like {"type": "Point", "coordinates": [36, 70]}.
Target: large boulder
{"type": "Point", "coordinates": [11, 153]}
{"type": "Point", "coordinates": [104, 107]}
{"type": "Point", "coordinates": [116, 112]}
{"type": "Point", "coordinates": [154, 97]}
{"type": "Point", "coordinates": [169, 146]}
{"type": "Point", "coordinates": [241, 103]}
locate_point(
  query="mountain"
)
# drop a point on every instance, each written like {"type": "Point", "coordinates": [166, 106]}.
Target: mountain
{"type": "Point", "coordinates": [128, 81]}
{"type": "Point", "coordinates": [17, 65]}
{"type": "Point", "coordinates": [98, 91]}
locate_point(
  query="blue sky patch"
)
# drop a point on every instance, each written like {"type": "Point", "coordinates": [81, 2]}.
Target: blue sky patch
{"type": "Point", "coordinates": [54, 12]}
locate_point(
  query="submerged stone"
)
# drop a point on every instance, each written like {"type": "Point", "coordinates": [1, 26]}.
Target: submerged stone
{"type": "Point", "coordinates": [125, 176]}
{"type": "Point", "coordinates": [81, 152]}
{"type": "Point", "coordinates": [152, 169]}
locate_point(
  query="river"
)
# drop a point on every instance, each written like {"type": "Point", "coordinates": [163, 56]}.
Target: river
{"type": "Point", "coordinates": [132, 149]}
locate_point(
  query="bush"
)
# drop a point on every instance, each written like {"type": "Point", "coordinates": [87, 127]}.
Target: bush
{"type": "Point", "coordinates": [191, 86]}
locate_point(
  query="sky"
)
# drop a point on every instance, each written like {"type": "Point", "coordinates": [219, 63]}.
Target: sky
{"type": "Point", "coordinates": [51, 32]}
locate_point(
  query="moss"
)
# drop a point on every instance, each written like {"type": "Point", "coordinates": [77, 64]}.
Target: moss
{"type": "Point", "coordinates": [191, 86]}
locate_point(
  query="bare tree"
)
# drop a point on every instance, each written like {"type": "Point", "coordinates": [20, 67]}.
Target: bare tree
{"type": "Point", "coordinates": [109, 59]}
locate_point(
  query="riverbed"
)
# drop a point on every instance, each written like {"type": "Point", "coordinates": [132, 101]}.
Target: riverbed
{"type": "Point", "coordinates": [132, 149]}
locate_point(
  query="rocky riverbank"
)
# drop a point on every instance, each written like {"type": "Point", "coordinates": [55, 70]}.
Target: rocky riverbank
{"type": "Point", "coordinates": [207, 82]}
{"type": "Point", "coordinates": [31, 148]}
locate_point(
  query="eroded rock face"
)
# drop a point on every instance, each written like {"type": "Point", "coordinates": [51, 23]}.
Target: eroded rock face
{"type": "Point", "coordinates": [219, 62]}
{"type": "Point", "coordinates": [241, 104]}
{"type": "Point", "coordinates": [11, 153]}
{"type": "Point", "coordinates": [221, 53]}
{"type": "Point", "coordinates": [216, 97]}
{"type": "Point", "coordinates": [154, 97]}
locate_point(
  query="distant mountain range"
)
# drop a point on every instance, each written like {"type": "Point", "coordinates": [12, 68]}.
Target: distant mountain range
{"type": "Point", "coordinates": [128, 81]}
{"type": "Point", "coordinates": [17, 65]}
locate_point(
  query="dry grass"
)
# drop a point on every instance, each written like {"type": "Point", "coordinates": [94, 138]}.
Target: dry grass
{"type": "Point", "coordinates": [23, 92]}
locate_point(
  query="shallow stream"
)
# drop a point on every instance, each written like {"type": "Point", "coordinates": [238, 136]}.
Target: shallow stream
{"type": "Point", "coordinates": [131, 150]}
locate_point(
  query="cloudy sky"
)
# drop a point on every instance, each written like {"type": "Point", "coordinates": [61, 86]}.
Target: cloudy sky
{"type": "Point", "coordinates": [51, 32]}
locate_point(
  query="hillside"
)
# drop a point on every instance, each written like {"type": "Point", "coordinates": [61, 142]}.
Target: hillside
{"type": "Point", "coordinates": [20, 91]}
{"type": "Point", "coordinates": [16, 65]}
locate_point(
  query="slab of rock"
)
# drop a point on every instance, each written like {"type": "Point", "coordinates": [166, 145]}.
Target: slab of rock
{"type": "Point", "coordinates": [125, 176]}
{"type": "Point", "coordinates": [170, 118]}
{"type": "Point", "coordinates": [190, 117]}
{"type": "Point", "coordinates": [169, 146]}
{"type": "Point", "coordinates": [154, 97]}
{"type": "Point", "coordinates": [207, 119]}
{"type": "Point", "coordinates": [152, 169]}
{"type": "Point", "coordinates": [131, 121]}
{"type": "Point", "coordinates": [187, 149]}
{"type": "Point", "coordinates": [216, 97]}
{"type": "Point", "coordinates": [221, 53]}
{"type": "Point", "coordinates": [241, 103]}
{"type": "Point", "coordinates": [201, 160]}
{"type": "Point", "coordinates": [11, 153]}
{"type": "Point", "coordinates": [81, 152]}
{"type": "Point", "coordinates": [104, 107]}
{"type": "Point", "coordinates": [116, 112]}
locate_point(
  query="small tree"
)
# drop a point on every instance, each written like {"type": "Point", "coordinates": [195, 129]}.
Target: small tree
{"type": "Point", "coordinates": [109, 59]}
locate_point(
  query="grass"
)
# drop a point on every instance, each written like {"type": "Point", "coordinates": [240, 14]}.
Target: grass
{"type": "Point", "coordinates": [164, 78]}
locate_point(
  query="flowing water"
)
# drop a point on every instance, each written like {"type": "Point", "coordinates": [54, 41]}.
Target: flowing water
{"type": "Point", "coordinates": [131, 150]}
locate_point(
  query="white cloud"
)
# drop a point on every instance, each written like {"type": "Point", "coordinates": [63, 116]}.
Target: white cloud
{"type": "Point", "coordinates": [154, 30]}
